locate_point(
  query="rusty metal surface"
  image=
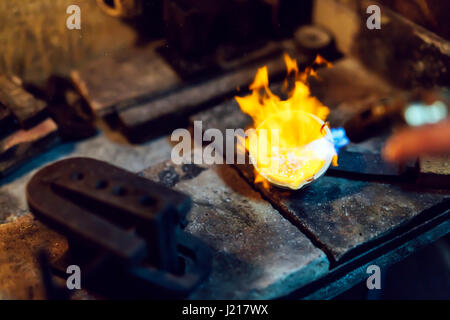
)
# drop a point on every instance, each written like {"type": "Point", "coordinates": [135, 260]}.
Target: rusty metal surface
{"type": "Point", "coordinates": [20, 241]}
{"type": "Point", "coordinates": [26, 109]}
{"type": "Point", "coordinates": [425, 56]}
{"type": "Point", "coordinates": [419, 262]}
{"type": "Point", "coordinates": [427, 13]}
{"type": "Point", "coordinates": [435, 172]}
{"type": "Point", "coordinates": [257, 254]}
{"type": "Point", "coordinates": [7, 121]}
{"type": "Point", "coordinates": [111, 80]}
{"type": "Point", "coordinates": [343, 214]}
{"type": "Point", "coordinates": [22, 145]}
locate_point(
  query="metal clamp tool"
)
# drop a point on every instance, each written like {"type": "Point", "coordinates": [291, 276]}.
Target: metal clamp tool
{"type": "Point", "coordinates": [123, 230]}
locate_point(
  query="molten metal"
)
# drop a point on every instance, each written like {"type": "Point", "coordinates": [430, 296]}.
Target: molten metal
{"type": "Point", "coordinates": [302, 148]}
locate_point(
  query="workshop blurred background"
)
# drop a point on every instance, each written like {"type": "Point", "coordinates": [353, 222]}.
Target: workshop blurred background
{"type": "Point", "coordinates": [410, 51]}
{"type": "Point", "coordinates": [37, 43]}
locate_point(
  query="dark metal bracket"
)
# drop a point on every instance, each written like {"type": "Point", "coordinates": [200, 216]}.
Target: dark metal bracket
{"type": "Point", "coordinates": [124, 231]}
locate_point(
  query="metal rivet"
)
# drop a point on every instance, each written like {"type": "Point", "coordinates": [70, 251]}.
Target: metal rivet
{"type": "Point", "coordinates": [147, 201]}
{"type": "Point", "coordinates": [101, 184]}
{"type": "Point", "coordinates": [119, 191]}
{"type": "Point", "coordinates": [77, 176]}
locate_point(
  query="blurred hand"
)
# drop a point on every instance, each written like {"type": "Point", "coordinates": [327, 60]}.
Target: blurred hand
{"type": "Point", "coordinates": [410, 143]}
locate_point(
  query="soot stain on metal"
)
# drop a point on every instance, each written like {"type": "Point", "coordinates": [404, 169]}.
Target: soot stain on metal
{"type": "Point", "coordinates": [191, 171]}
{"type": "Point", "coordinates": [169, 177]}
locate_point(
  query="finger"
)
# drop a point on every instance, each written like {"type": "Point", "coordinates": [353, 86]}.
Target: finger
{"type": "Point", "coordinates": [414, 142]}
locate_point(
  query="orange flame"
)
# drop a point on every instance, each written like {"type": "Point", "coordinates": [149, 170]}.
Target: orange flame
{"type": "Point", "coordinates": [297, 148]}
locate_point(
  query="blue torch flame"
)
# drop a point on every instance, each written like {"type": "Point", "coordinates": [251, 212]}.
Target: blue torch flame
{"type": "Point", "coordinates": [340, 138]}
